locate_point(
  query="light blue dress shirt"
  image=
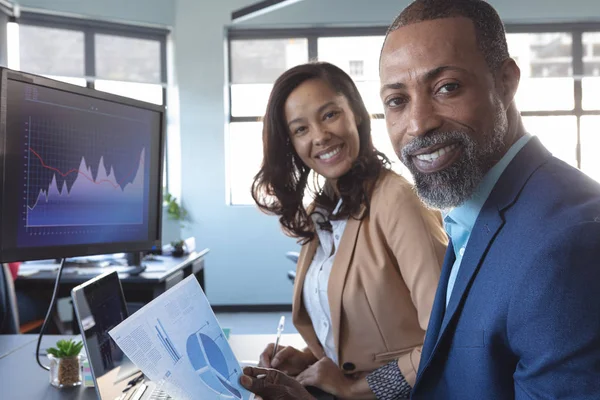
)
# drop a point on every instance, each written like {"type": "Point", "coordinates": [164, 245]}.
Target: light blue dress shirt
{"type": "Point", "coordinates": [459, 221]}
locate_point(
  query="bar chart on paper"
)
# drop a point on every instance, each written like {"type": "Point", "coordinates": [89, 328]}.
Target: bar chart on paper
{"type": "Point", "coordinates": [166, 341]}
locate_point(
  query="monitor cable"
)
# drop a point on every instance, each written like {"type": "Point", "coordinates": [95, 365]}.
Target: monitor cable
{"type": "Point", "coordinates": [48, 314]}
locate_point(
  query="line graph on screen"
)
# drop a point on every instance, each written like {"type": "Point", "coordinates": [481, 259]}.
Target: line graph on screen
{"type": "Point", "coordinates": [75, 178]}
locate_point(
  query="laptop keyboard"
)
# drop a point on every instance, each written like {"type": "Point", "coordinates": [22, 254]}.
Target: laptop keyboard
{"type": "Point", "coordinates": [158, 394]}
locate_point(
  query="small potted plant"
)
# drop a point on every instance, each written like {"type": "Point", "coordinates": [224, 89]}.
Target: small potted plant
{"type": "Point", "coordinates": [65, 370]}
{"type": "Point", "coordinates": [178, 248]}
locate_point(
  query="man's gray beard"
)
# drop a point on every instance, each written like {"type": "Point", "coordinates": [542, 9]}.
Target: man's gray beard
{"type": "Point", "coordinates": [452, 186]}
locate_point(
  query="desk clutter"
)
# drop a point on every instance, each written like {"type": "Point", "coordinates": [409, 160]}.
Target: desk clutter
{"type": "Point", "coordinates": [116, 263]}
{"type": "Point", "coordinates": [95, 265]}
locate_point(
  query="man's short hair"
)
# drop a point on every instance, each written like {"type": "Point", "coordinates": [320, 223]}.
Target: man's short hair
{"type": "Point", "coordinates": [489, 29]}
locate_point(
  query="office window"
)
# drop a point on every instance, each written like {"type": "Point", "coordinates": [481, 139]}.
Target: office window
{"type": "Point", "coordinates": [357, 54]}
{"type": "Point", "coordinates": [356, 68]}
{"type": "Point", "coordinates": [129, 59]}
{"type": "Point", "coordinates": [545, 60]}
{"type": "Point", "coordinates": [557, 133]}
{"type": "Point", "coordinates": [382, 142]}
{"type": "Point", "coordinates": [53, 52]}
{"type": "Point", "coordinates": [591, 71]}
{"type": "Point", "coordinates": [548, 94]}
{"type": "Point", "coordinates": [555, 63]}
{"type": "Point", "coordinates": [255, 64]}
{"type": "Point", "coordinates": [129, 67]}
{"type": "Point", "coordinates": [245, 156]}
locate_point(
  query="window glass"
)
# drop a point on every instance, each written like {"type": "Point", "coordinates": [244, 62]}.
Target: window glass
{"type": "Point", "coordinates": [255, 65]}
{"type": "Point", "coordinates": [359, 57]}
{"type": "Point", "coordinates": [591, 71]}
{"type": "Point", "coordinates": [51, 51]}
{"type": "Point", "coordinates": [121, 58]}
{"type": "Point", "coordinates": [557, 134]}
{"type": "Point", "coordinates": [545, 60]}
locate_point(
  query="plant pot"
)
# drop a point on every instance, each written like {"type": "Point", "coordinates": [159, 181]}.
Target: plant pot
{"type": "Point", "coordinates": [178, 252]}
{"type": "Point", "coordinates": [65, 372]}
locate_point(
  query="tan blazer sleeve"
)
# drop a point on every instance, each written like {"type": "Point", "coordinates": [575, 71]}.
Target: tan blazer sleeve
{"type": "Point", "coordinates": [418, 241]}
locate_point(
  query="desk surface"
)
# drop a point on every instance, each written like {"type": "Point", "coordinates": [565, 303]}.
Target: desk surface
{"type": "Point", "coordinates": [22, 378]}
{"type": "Point", "coordinates": [157, 270]}
{"type": "Point", "coordinates": [12, 343]}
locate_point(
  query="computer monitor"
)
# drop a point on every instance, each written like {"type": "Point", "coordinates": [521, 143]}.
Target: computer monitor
{"type": "Point", "coordinates": [80, 170]}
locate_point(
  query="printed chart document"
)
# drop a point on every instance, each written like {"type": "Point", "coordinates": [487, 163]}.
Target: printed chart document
{"type": "Point", "coordinates": [177, 342]}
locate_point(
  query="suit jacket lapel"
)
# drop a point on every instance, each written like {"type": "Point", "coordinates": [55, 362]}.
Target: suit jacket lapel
{"type": "Point", "coordinates": [490, 220]}
{"type": "Point", "coordinates": [300, 316]}
{"type": "Point", "coordinates": [487, 226]}
{"type": "Point", "coordinates": [339, 271]}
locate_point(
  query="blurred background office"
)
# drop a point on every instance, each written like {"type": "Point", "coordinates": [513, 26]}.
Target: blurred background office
{"type": "Point", "coordinates": [214, 74]}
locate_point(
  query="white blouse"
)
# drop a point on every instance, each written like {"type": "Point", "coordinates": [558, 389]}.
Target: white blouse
{"type": "Point", "coordinates": [314, 290]}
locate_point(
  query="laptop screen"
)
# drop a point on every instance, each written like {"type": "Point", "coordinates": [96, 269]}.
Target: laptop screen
{"type": "Point", "coordinates": [99, 307]}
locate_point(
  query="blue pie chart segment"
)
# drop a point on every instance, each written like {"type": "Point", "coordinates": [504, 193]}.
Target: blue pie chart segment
{"type": "Point", "coordinates": [215, 356]}
{"type": "Point", "coordinates": [231, 388]}
{"type": "Point", "coordinates": [208, 360]}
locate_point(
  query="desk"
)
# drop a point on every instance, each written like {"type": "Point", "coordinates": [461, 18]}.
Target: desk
{"type": "Point", "coordinates": [22, 378]}
{"type": "Point", "coordinates": [247, 348]}
{"type": "Point", "coordinates": [12, 343]}
{"type": "Point", "coordinates": [161, 275]}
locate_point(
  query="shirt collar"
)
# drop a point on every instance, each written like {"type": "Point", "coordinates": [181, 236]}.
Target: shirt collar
{"type": "Point", "coordinates": [321, 215]}
{"type": "Point", "coordinates": [466, 214]}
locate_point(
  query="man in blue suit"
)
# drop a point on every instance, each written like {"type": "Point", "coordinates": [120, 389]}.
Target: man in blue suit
{"type": "Point", "coordinates": [517, 310]}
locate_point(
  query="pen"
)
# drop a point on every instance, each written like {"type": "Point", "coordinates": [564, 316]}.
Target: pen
{"type": "Point", "coordinates": [279, 330]}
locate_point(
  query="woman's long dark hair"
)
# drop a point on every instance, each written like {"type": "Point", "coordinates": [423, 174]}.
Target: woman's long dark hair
{"type": "Point", "coordinates": [280, 185]}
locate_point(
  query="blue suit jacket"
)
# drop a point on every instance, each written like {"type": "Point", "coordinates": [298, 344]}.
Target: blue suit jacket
{"type": "Point", "coordinates": [523, 320]}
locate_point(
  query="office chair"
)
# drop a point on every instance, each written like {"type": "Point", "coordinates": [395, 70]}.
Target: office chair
{"type": "Point", "coordinates": [9, 314]}
{"type": "Point", "coordinates": [292, 256]}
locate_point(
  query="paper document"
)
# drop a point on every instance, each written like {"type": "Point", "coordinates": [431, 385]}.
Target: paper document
{"type": "Point", "coordinates": [177, 342]}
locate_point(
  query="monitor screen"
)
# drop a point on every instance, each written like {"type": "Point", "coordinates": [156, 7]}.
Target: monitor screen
{"type": "Point", "coordinates": [82, 171]}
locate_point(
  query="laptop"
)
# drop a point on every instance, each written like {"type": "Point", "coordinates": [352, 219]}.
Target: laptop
{"type": "Point", "coordinates": [100, 306]}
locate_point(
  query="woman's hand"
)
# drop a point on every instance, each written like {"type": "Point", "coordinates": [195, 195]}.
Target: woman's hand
{"type": "Point", "coordinates": [288, 359]}
{"type": "Point", "coordinates": [271, 384]}
{"type": "Point", "coordinates": [327, 376]}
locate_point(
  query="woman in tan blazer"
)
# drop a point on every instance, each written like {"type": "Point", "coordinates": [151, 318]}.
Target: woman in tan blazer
{"type": "Point", "coordinates": [371, 253]}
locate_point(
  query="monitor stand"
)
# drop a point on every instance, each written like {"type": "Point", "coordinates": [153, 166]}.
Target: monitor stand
{"type": "Point", "coordinates": [134, 260]}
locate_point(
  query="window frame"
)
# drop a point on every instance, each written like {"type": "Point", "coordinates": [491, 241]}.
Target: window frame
{"type": "Point", "coordinates": [576, 30]}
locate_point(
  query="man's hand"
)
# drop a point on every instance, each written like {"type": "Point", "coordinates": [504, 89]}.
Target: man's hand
{"type": "Point", "coordinates": [289, 360]}
{"type": "Point", "coordinates": [327, 376]}
{"type": "Point", "coordinates": [271, 384]}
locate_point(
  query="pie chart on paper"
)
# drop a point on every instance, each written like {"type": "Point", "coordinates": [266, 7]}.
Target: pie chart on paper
{"type": "Point", "coordinates": [211, 365]}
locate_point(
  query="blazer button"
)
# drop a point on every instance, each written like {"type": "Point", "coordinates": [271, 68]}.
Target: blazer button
{"type": "Point", "coordinates": [348, 366]}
